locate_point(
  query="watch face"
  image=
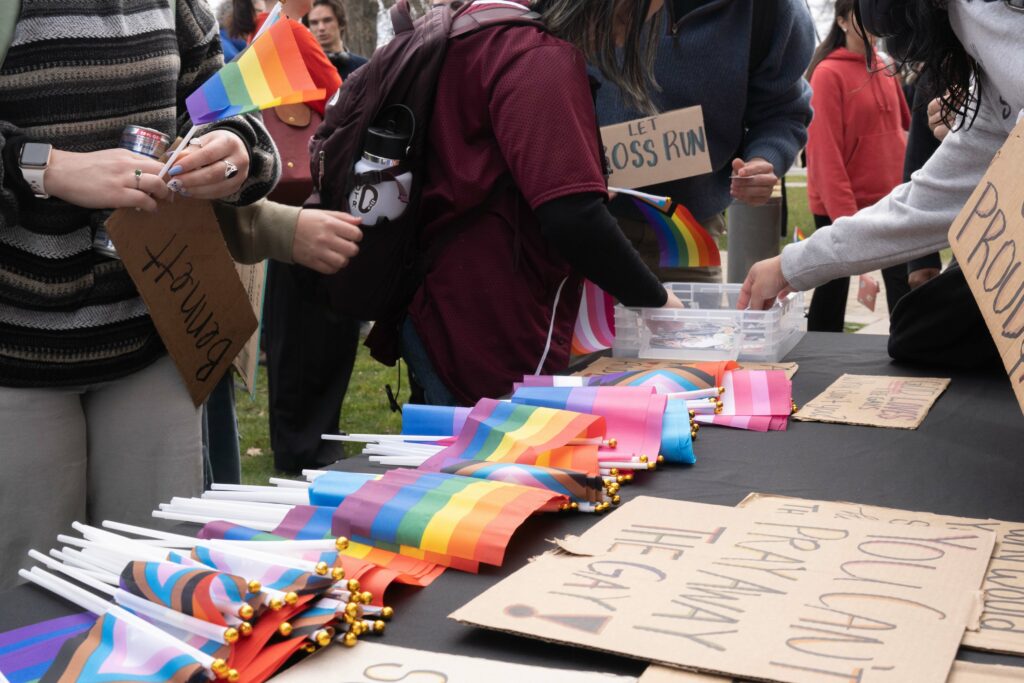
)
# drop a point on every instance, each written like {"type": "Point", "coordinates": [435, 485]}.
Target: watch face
{"type": "Point", "coordinates": [35, 154]}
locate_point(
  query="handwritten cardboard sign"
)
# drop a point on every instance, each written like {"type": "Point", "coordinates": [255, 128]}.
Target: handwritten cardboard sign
{"type": "Point", "coordinates": [875, 401]}
{"type": "Point", "coordinates": [182, 268]}
{"type": "Point", "coordinates": [657, 149]}
{"type": "Point", "coordinates": [988, 241]}
{"type": "Point", "coordinates": [1001, 625]}
{"type": "Point", "coordinates": [741, 593]}
{"type": "Point", "coordinates": [961, 672]}
{"type": "Point", "coordinates": [247, 361]}
{"type": "Point", "coordinates": [379, 662]}
{"type": "Point", "coordinates": [607, 366]}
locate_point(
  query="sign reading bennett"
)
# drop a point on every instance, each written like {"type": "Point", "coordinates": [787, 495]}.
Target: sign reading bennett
{"type": "Point", "coordinates": [657, 149]}
{"type": "Point", "coordinates": [988, 241]}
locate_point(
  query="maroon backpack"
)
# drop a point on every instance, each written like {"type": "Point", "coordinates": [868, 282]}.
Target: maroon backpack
{"type": "Point", "coordinates": [381, 280]}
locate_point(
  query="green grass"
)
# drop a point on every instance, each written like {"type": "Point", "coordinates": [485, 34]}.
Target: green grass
{"type": "Point", "coordinates": [365, 411]}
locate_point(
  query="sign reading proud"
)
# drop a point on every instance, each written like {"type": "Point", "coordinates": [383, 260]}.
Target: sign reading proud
{"type": "Point", "coordinates": [181, 267]}
{"type": "Point", "coordinates": [657, 149]}
{"type": "Point", "coordinates": [988, 241]}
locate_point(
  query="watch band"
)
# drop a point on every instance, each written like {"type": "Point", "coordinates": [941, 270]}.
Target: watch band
{"type": "Point", "coordinates": [34, 178]}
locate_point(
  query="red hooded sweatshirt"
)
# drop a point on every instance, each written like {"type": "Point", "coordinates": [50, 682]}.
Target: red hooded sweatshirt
{"type": "Point", "coordinates": [856, 142]}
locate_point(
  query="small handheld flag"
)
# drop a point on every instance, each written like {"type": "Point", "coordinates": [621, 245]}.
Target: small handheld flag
{"type": "Point", "coordinates": [682, 240]}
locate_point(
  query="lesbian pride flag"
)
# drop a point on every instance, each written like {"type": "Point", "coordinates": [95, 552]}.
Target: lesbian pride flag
{"type": "Point", "coordinates": [269, 73]}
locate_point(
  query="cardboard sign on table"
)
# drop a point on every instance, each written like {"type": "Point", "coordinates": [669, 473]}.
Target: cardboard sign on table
{"type": "Point", "coordinates": [247, 362]}
{"type": "Point", "coordinates": [988, 242]}
{"type": "Point", "coordinates": [741, 593]}
{"type": "Point", "coordinates": [605, 366]}
{"type": "Point", "coordinates": [961, 672]}
{"type": "Point", "coordinates": [875, 401]}
{"type": "Point", "coordinates": [657, 149]}
{"type": "Point", "coordinates": [181, 267]}
{"type": "Point", "coordinates": [1001, 624]}
{"type": "Point", "coordinates": [372, 662]}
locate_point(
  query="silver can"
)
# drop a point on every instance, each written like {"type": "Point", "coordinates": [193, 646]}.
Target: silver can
{"type": "Point", "coordinates": [140, 140]}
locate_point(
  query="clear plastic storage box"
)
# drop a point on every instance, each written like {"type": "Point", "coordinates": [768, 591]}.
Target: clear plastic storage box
{"type": "Point", "coordinates": [710, 327]}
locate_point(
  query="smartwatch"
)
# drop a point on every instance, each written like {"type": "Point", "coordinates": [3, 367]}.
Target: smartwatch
{"type": "Point", "coordinates": [33, 160]}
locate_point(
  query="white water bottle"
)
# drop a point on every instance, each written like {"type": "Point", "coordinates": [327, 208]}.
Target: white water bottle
{"type": "Point", "coordinates": [389, 198]}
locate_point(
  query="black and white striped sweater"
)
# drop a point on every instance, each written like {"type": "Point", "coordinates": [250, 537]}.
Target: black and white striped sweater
{"type": "Point", "coordinates": [76, 73]}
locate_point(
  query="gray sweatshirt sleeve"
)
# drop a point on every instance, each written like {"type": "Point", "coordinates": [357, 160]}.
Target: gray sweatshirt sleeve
{"type": "Point", "coordinates": [910, 221]}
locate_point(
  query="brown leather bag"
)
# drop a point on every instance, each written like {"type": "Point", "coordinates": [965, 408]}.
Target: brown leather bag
{"type": "Point", "coordinates": [291, 126]}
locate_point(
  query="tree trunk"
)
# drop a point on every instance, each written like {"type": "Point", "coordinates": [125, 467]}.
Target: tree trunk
{"type": "Point", "coordinates": [361, 35]}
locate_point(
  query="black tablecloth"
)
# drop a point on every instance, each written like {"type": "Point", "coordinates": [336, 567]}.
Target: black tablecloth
{"type": "Point", "coordinates": [967, 459]}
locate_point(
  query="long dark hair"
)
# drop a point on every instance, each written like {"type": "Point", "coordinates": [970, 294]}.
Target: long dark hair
{"type": "Point", "coordinates": [243, 19]}
{"type": "Point", "coordinates": [925, 36]}
{"type": "Point", "coordinates": [590, 26]}
{"type": "Point", "coordinates": [836, 37]}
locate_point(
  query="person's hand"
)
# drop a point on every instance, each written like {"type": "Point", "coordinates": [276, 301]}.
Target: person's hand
{"type": "Point", "coordinates": [215, 167]}
{"type": "Point", "coordinates": [764, 284]}
{"type": "Point", "coordinates": [673, 301]}
{"type": "Point", "coordinates": [753, 181]}
{"type": "Point", "coordinates": [921, 276]}
{"type": "Point", "coordinates": [107, 179]}
{"type": "Point", "coordinates": [325, 241]}
{"type": "Point", "coordinates": [939, 125]}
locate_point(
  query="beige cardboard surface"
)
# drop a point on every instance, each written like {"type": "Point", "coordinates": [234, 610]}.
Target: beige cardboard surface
{"type": "Point", "coordinates": [603, 366]}
{"type": "Point", "coordinates": [875, 401]}
{"type": "Point", "coordinates": [988, 242]}
{"type": "Point", "coordinates": [181, 267]}
{"type": "Point", "coordinates": [1001, 625]}
{"type": "Point", "coordinates": [247, 361]}
{"type": "Point", "coordinates": [656, 149]}
{"type": "Point", "coordinates": [738, 592]}
{"type": "Point", "coordinates": [370, 662]}
{"type": "Point", "coordinates": [962, 672]}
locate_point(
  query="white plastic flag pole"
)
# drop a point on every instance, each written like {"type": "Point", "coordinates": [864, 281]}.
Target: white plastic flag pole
{"type": "Point", "coordinates": [653, 198]}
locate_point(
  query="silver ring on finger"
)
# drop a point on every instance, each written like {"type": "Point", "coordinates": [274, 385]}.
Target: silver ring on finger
{"type": "Point", "coordinates": [138, 178]}
{"type": "Point", "coordinates": [230, 170]}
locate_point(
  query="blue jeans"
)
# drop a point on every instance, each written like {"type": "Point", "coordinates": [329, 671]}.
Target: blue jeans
{"type": "Point", "coordinates": [421, 369]}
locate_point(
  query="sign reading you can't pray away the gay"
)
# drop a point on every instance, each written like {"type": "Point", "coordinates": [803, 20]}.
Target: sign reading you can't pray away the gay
{"type": "Point", "coordinates": [988, 241]}
{"type": "Point", "coordinates": [744, 593]}
{"type": "Point", "coordinates": [657, 149]}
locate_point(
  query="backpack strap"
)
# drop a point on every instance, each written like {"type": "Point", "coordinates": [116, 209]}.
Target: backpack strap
{"type": "Point", "coordinates": [9, 11]}
{"type": "Point", "coordinates": [470, 22]}
{"type": "Point", "coordinates": [765, 17]}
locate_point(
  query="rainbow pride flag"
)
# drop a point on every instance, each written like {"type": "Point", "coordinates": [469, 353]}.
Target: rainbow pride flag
{"type": "Point", "coordinates": [798, 234]}
{"type": "Point", "coordinates": [496, 431]}
{"type": "Point", "coordinates": [595, 323]}
{"type": "Point", "coordinates": [467, 518]}
{"type": "Point", "coordinates": [682, 241]}
{"type": "Point", "coordinates": [269, 73]}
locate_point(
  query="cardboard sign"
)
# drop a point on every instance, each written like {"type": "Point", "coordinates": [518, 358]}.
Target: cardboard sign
{"type": "Point", "coordinates": [867, 291]}
{"type": "Point", "coordinates": [988, 242]}
{"type": "Point", "coordinates": [254, 278]}
{"type": "Point", "coordinates": [961, 672]}
{"type": "Point", "coordinates": [1001, 625]}
{"type": "Point", "coordinates": [606, 366]}
{"type": "Point", "coordinates": [875, 401]}
{"type": "Point", "coordinates": [741, 593]}
{"type": "Point", "coordinates": [657, 149]}
{"type": "Point", "coordinates": [378, 662]}
{"type": "Point", "coordinates": [181, 267]}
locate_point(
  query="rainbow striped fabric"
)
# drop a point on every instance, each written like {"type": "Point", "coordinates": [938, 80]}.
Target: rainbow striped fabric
{"type": "Point", "coordinates": [682, 240]}
{"type": "Point", "coordinates": [272, 576]}
{"type": "Point", "coordinates": [110, 651]}
{"type": "Point", "coordinates": [471, 519]}
{"type": "Point", "coordinates": [496, 431]}
{"type": "Point", "coordinates": [26, 653]}
{"type": "Point", "coordinates": [574, 485]}
{"type": "Point", "coordinates": [201, 593]}
{"type": "Point", "coordinates": [595, 322]}
{"type": "Point", "coordinates": [269, 73]}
